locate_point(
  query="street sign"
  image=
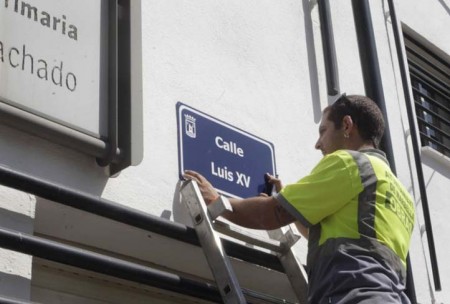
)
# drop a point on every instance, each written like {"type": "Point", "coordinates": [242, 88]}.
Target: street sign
{"type": "Point", "coordinates": [234, 161]}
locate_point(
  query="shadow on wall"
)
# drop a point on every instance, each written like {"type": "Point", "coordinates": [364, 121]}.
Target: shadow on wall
{"type": "Point", "coordinates": [16, 221]}
{"type": "Point", "coordinates": [13, 285]}
{"type": "Point", "coordinates": [442, 2]}
{"type": "Point", "coordinates": [312, 63]}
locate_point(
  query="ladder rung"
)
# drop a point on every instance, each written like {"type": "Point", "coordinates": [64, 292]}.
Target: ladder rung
{"type": "Point", "coordinates": [256, 297]}
{"type": "Point", "coordinates": [243, 235]}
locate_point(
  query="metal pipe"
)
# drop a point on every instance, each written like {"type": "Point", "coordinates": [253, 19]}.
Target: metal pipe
{"type": "Point", "coordinates": [69, 255]}
{"type": "Point", "coordinates": [120, 213]}
{"type": "Point", "coordinates": [112, 99]}
{"type": "Point", "coordinates": [104, 264]}
{"type": "Point", "coordinates": [329, 50]}
{"type": "Point", "coordinates": [415, 143]}
{"type": "Point", "coordinates": [123, 136]}
{"type": "Point", "coordinates": [371, 68]}
{"type": "Point", "coordinates": [374, 89]}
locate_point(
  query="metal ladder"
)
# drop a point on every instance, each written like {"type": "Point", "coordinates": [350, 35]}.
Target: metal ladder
{"type": "Point", "coordinates": [207, 228]}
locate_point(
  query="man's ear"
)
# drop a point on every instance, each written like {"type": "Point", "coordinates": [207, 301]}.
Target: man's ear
{"type": "Point", "coordinates": [347, 124]}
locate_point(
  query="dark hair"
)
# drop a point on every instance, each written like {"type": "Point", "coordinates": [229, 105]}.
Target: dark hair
{"type": "Point", "coordinates": [364, 113]}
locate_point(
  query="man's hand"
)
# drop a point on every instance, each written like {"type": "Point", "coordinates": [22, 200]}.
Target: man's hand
{"type": "Point", "coordinates": [275, 181]}
{"type": "Point", "coordinates": [207, 190]}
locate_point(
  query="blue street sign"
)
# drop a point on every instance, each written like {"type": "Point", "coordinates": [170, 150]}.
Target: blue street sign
{"type": "Point", "coordinates": [233, 160]}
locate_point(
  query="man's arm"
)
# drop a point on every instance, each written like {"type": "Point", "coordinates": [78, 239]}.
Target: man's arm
{"type": "Point", "coordinates": [260, 212]}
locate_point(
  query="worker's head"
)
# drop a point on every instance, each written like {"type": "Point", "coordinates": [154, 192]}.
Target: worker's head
{"type": "Point", "coordinates": [351, 122]}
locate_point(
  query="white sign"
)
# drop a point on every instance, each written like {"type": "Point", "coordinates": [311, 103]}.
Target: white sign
{"type": "Point", "coordinates": [53, 60]}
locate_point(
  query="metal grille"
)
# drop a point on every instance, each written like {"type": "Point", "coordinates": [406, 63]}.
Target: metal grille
{"type": "Point", "coordinates": [430, 81]}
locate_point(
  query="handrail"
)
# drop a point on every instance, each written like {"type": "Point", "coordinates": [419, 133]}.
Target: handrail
{"type": "Point", "coordinates": [70, 255]}
{"type": "Point", "coordinates": [96, 205]}
{"type": "Point", "coordinates": [104, 264]}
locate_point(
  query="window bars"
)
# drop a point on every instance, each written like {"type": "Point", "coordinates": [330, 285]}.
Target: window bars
{"type": "Point", "coordinates": [430, 81]}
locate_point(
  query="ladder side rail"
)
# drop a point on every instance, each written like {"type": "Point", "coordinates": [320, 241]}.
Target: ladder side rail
{"type": "Point", "coordinates": [294, 270]}
{"type": "Point", "coordinates": [211, 244]}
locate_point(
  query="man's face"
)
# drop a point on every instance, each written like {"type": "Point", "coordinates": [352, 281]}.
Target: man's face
{"type": "Point", "coordinates": [330, 139]}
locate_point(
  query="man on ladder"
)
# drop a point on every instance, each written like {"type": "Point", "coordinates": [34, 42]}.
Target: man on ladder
{"type": "Point", "coordinates": [356, 214]}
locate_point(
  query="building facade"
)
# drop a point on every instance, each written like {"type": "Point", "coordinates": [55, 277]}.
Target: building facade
{"type": "Point", "coordinates": [267, 68]}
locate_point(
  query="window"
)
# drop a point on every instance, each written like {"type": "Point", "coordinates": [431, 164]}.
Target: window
{"type": "Point", "coordinates": [430, 81]}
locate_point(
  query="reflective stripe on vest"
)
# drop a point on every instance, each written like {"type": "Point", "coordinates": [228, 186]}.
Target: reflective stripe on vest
{"type": "Point", "coordinates": [367, 198]}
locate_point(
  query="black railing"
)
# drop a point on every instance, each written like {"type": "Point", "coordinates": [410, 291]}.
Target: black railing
{"type": "Point", "coordinates": [85, 259]}
{"type": "Point", "coordinates": [73, 256]}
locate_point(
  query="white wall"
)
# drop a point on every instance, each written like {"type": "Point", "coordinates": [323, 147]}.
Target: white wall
{"type": "Point", "coordinates": [436, 169]}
